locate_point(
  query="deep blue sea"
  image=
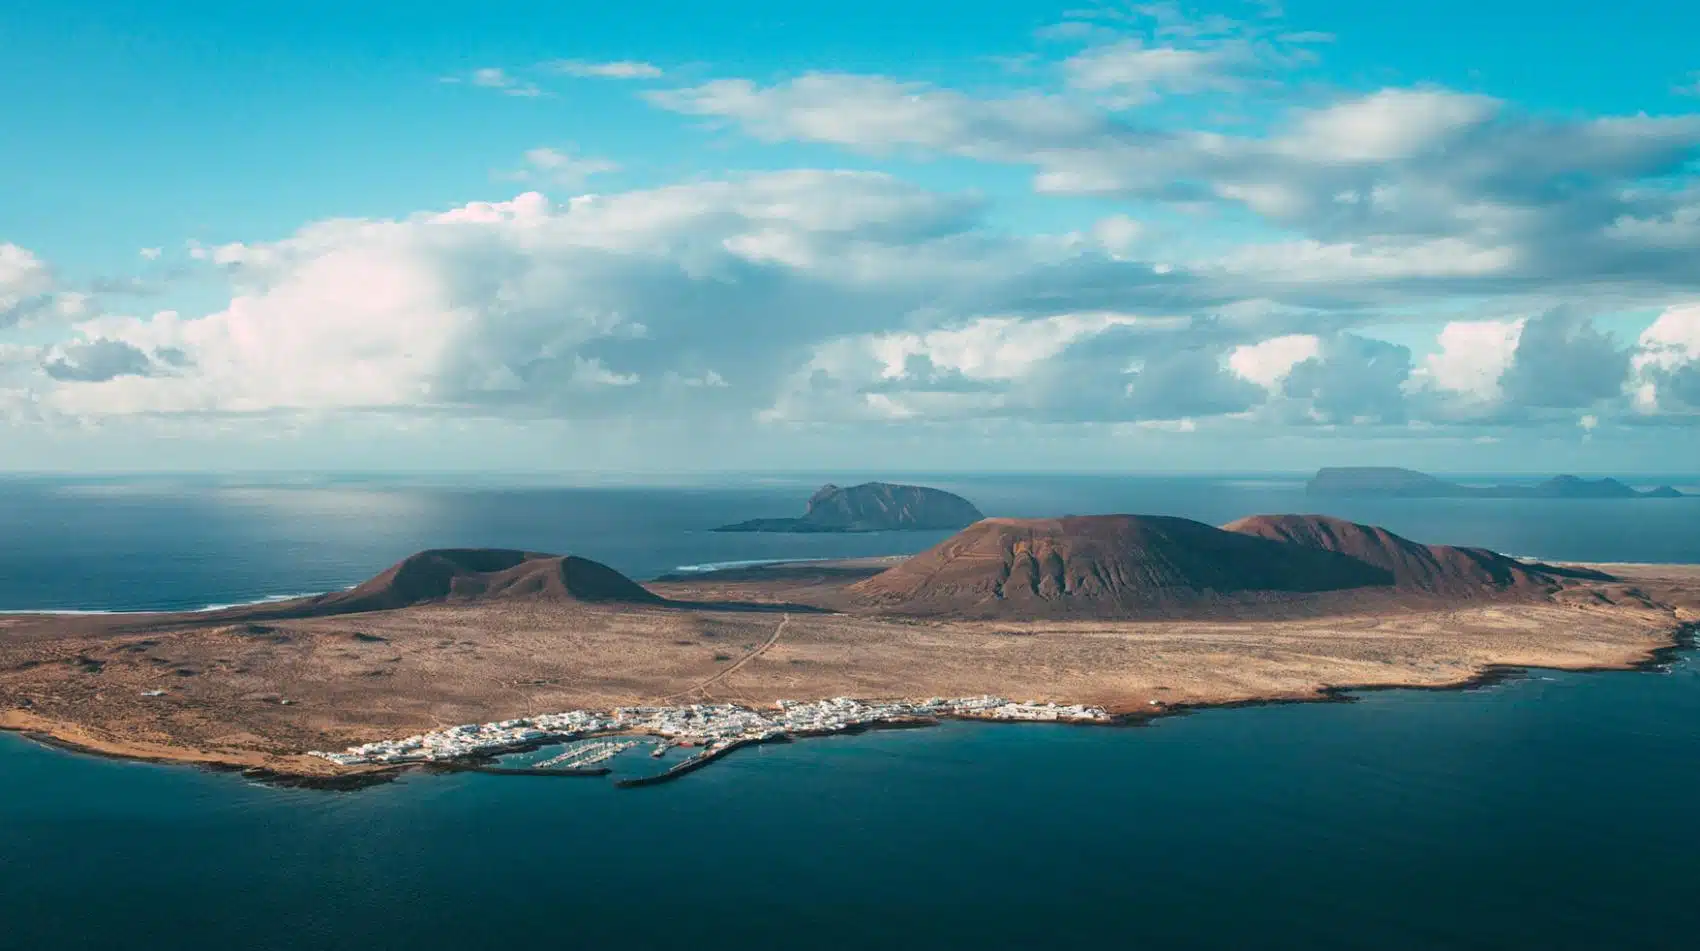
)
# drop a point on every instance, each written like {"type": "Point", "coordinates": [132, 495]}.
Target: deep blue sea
{"type": "Point", "coordinates": [1551, 812]}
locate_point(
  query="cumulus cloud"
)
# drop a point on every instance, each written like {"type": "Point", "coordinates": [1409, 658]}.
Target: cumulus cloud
{"type": "Point", "coordinates": [1070, 367]}
{"type": "Point", "coordinates": [1563, 361]}
{"type": "Point", "coordinates": [1472, 358]}
{"type": "Point", "coordinates": [1353, 379]}
{"type": "Point", "coordinates": [810, 296]}
{"type": "Point", "coordinates": [1666, 363]}
{"type": "Point", "coordinates": [1339, 378]}
{"type": "Point", "coordinates": [604, 304]}
{"type": "Point", "coordinates": [29, 290]}
{"type": "Point", "coordinates": [24, 283]}
{"type": "Point", "coordinates": [1268, 362]}
{"type": "Point", "coordinates": [1523, 369]}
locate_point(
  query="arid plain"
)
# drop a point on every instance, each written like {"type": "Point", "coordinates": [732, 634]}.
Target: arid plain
{"type": "Point", "coordinates": [258, 687]}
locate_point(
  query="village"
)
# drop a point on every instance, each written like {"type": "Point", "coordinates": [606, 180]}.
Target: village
{"type": "Point", "coordinates": [715, 727]}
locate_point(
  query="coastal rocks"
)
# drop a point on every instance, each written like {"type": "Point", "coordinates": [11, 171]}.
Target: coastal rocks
{"type": "Point", "coordinates": [872, 507]}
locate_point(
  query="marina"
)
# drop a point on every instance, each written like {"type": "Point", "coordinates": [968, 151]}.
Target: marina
{"type": "Point", "coordinates": [717, 729]}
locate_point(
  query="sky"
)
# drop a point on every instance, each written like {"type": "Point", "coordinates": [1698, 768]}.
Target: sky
{"type": "Point", "coordinates": [924, 235]}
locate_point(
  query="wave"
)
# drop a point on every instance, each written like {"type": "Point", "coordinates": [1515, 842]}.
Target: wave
{"type": "Point", "coordinates": [203, 609]}
{"type": "Point", "coordinates": [268, 599]}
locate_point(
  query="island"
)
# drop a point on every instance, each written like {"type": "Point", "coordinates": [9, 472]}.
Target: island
{"type": "Point", "coordinates": [872, 507]}
{"type": "Point", "coordinates": [1391, 481]}
{"type": "Point", "coordinates": [452, 657]}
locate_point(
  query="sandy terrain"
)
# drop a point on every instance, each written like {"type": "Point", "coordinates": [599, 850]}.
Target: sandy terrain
{"type": "Point", "coordinates": [253, 694]}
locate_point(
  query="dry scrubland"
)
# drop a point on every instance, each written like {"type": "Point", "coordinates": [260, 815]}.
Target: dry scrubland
{"type": "Point", "coordinates": [359, 677]}
{"type": "Point", "coordinates": [1136, 614]}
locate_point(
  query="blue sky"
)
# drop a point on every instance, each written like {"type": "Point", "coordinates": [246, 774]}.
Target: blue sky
{"type": "Point", "coordinates": [924, 235]}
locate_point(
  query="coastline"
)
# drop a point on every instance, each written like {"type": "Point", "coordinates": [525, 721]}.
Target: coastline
{"type": "Point", "coordinates": [302, 770]}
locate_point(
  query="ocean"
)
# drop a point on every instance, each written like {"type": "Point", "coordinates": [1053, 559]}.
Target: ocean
{"type": "Point", "coordinates": [1554, 811]}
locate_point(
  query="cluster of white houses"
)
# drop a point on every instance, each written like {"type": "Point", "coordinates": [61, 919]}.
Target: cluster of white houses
{"type": "Point", "coordinates": [706, 724]}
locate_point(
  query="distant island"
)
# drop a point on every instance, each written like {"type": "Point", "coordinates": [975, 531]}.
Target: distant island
{"type": "Point", "coordinates": [1394, 482]}
{"type": "Point", "coordinates": [453, 656]}
{"type": "Point", "coordinates": [872, 507]}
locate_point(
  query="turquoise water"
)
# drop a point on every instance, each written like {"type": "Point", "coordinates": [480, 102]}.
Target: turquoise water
{"type": "Point", "coordinates": [1551, 812]}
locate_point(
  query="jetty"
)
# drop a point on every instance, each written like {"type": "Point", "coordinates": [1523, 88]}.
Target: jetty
{"type": "Point", "coordinates": [708, 755]}
{"type": "Point", "coordinates": [588, 754]}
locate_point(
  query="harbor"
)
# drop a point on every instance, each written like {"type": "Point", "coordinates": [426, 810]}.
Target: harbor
{"type": "Point", "coordinates": [591, 739]}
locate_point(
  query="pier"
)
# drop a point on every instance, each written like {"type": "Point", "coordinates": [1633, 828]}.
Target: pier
{"type": "Point", "coordinates": [588, 754]}
{"type": "Point", "coordinates": [693, 764]}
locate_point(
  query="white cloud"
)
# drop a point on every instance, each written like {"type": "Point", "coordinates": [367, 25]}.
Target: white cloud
{"type": "Point", "coordinates": [1665, 367]}
{"type": "Point", "coordinates": [1410, 185]}
{"type": "Point", "coordinates": [1183, 425]}
{"type": "Point", "coordinates": [1154, 50]}
{"type": "Point", "coordinates": [1563, 361]}
{"type": "Point", "coordinates": [1390, 125]}
{"type": "Point", "coordinates": [1094, 366]}
{"type": "Point", "coordinates": [25, 280]}
{"type": "Point", "coordinates": [492, 77]}
{"type": "Point", "coordinates": [1268, 362]}
{"type": "Point", "coordinates": [30, 290]}
{"type": "Point", "coordinates": [602, 304]}
{"type": "Point", "coordinates": [1133, 73]}
{"type": "Point", "coordinates": [1473, 356]}
{"type": "Point", "coordinates": [1118, 234]}
{"type": "Point", "coordinates": [1228, 266]}
{"type": "Point", "coordinates": [618, 69]}
{"type": "Point", "coordinates": [560, 168]}
{"type": "Point", "coordinates": [1315, 261]}
{"type": "Point", "coordinates": [991, 348]}
{"type": "Point", "coordinates": [151, 254]}
{"type": "Point", "coordinates": [877, 114]}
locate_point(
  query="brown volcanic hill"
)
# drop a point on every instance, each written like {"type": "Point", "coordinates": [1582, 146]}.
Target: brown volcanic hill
{"type": "Point", "coordinates": [1105, 566]}
{"type": "Point", "coordinates": [1435, 569]}
{"type": "Point", "coordinates": [477, 574]}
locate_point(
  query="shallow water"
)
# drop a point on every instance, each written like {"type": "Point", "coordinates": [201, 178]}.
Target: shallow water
{"type": "Point", "coordinates": [1551, 812]}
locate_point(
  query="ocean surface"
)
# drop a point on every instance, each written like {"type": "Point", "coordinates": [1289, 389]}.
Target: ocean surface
{"type": "Point", "coordinates": [1555, 811]}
